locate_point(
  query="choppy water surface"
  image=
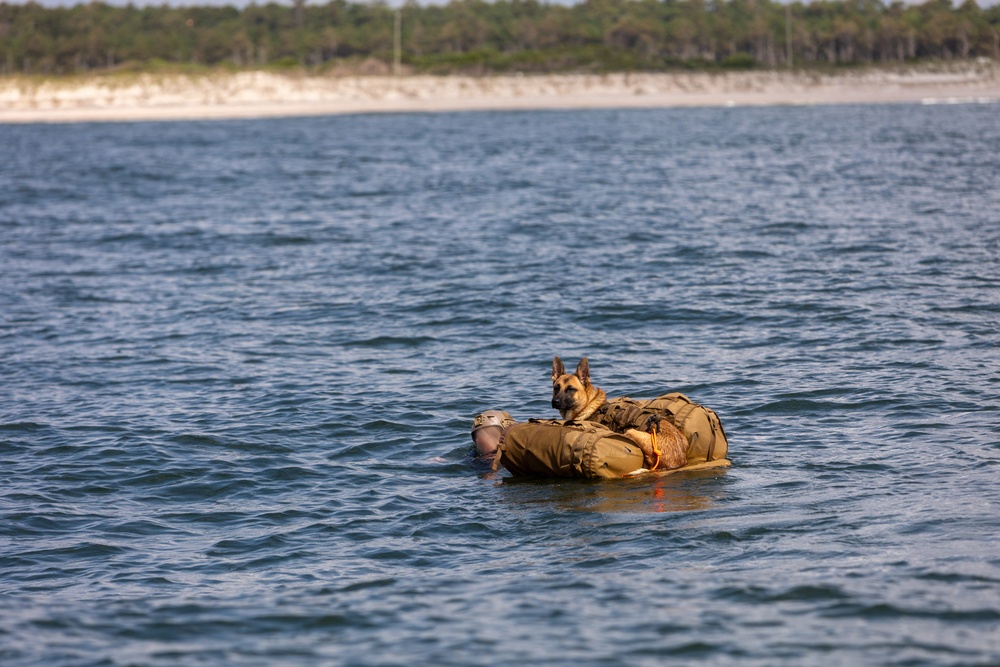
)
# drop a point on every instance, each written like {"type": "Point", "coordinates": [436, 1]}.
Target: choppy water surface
{"type": "Point", "coordinates": [239, 361]}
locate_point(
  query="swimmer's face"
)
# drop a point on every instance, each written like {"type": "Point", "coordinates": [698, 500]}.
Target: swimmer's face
{"type": "Point", "coordinates": [487, 440]}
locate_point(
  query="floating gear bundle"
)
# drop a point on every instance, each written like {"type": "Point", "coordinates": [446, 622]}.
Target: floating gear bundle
{"type": "Point", "coordinates": [700, 425]}
{"type": "Point", "coordinates": [567, 448]}
{"type": "Point", "coordinates": [597, 448]}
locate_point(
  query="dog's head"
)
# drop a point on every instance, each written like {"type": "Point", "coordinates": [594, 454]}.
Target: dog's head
{"type": "Point", "coordinates": [570, 391]}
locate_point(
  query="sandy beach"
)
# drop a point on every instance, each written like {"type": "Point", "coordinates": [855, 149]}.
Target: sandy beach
{"type": "Point", "coordinates": [136, 97]}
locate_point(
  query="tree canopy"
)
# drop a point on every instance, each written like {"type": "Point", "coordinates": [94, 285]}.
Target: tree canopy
{"type": "Point", "coordinates": [505, 35]}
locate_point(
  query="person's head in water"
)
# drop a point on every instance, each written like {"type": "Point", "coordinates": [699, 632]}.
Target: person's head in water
{"type": "Point", "coordinates": [487, 428]}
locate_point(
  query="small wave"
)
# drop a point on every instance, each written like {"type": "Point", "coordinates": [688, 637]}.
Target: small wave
{"type": "Point", "coordinates": [390, 342]}
{"type": "Point", "coordinates": [885, 611]}
{"type": "Point", "coordinates": [24, 427]}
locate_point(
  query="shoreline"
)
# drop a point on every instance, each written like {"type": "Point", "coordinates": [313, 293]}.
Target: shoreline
{"type": "Point", "coordinates": [259, 94]}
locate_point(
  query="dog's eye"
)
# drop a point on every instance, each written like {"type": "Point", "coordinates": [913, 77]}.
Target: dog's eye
{"type": "Point", "coordinates": [570, 390]}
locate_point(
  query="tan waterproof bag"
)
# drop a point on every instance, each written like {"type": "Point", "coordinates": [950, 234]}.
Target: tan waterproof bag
{"type": "Point", "coordinates": [566, 448]}
{"type": "Point", "coordinates": [700, 425]}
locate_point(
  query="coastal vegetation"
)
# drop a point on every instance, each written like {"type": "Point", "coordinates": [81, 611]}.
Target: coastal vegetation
{"type": "Point", "coordinates": [472, 36]}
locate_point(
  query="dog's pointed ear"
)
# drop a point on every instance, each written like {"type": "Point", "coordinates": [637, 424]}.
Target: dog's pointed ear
{"type": "Point", "coordinates": [557, 368]}
{"type": "Point", "coordinates": [583, 371]}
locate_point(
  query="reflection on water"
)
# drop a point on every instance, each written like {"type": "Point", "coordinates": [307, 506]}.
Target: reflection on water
{"type": "Point", "coordinates": [677, 491]}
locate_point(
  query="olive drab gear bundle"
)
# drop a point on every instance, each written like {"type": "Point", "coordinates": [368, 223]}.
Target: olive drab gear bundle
{"type": "Point", "coordinates": [567, 448]}
{"type": "Point", "coordinates": [700, 425]}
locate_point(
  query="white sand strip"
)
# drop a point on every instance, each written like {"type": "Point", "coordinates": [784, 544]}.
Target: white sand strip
{"type": "Point", "coordinates": [265, 94]}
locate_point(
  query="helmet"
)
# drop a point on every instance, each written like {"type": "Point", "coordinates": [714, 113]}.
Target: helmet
{"type": "Point", "coordinates": [491, 418]}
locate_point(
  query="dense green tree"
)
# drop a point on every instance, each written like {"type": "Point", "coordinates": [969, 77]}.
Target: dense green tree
{"type": "Point", "coordinates": [475, 35]}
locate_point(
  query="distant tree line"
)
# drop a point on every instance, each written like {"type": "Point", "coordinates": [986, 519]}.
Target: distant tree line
{"type": "Point", "coordinates": [506, 35]}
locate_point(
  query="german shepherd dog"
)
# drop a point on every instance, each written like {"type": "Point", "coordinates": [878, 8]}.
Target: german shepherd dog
{"type": "Point", "coordinates": [663, 446]}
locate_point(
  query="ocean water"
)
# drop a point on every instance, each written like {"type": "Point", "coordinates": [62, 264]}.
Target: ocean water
{"type": "Point", "coordinates": [239, 361]}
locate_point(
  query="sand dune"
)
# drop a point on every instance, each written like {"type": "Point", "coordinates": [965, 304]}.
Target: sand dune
{"type": "Point", "coordinates": [262, 94]}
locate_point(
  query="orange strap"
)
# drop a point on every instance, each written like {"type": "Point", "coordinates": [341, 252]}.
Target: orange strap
{"type": "Point", "coordinates": [656, 449]}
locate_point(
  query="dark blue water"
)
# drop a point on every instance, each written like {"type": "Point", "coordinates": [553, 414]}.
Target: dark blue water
{"type": "Point", "coordinates": [239, 360]}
